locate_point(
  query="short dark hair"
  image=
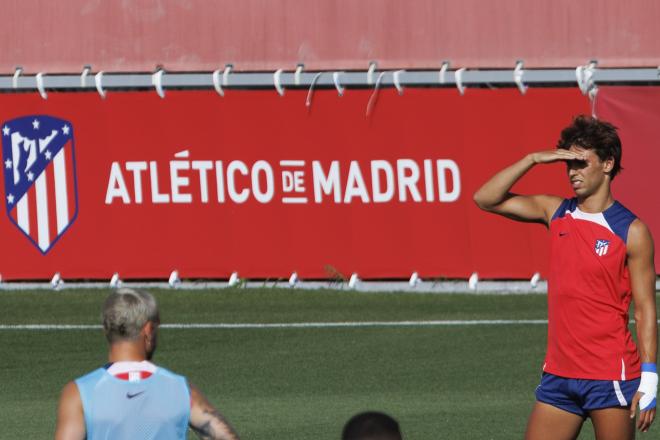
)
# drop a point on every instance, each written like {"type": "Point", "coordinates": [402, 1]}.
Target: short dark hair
{"type": "Point", "coordinates": [593, 134]}
{"type": "Point", "coordinates": [371, 425]}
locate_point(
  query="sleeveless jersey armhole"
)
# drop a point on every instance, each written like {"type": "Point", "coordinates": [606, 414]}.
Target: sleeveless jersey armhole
{"type": "Point", "coordinates": [83, 383]}
{"type": "Point", "coordinates": [619, 218]}
{"type": "Point", "coordinates": [566, 205]}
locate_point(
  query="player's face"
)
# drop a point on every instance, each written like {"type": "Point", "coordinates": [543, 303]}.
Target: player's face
{"type": "Point", "coordinates": [589, 175]}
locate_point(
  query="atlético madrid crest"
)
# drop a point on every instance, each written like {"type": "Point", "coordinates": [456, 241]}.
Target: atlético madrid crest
{"type": "Point", "coordinates": [601, 247]}
{"type": "Point", "coordinates": [40, 177]}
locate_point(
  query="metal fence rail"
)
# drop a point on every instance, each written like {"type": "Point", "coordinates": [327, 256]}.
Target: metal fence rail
{"type": "Point", "coordinates": [586, 77]}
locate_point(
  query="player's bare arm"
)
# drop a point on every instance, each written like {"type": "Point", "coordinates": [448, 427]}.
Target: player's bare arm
{"type": "Point", "coordinates": [206, 421]}
{"type": "Point", "coordinates": [70, 419]}
{"type": "Point", "coordinates": [642, 276]}
{"type": "Point", "coordinates": [496, 196]}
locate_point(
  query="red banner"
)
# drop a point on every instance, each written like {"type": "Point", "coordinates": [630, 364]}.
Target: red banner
{"type": "Point", "coordinates": [636, 112]}
{"type": "Point", "coordinates": [262, 185]}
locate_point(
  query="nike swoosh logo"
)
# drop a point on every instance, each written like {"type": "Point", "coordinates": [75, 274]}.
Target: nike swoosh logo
{"type": "Point", "coordinates": [130, 396]}
{"type": "Point", "coordinates": [561, 234]}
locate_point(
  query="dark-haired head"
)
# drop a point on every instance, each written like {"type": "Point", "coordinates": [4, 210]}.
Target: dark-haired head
{"type": "Point", "coordinates": [593, 134]}
{"type": "Point", "coordinates": [371, 426]}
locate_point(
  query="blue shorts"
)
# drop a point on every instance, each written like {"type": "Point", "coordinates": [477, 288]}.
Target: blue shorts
{"type": "Point", "coordinates": [579, 396]}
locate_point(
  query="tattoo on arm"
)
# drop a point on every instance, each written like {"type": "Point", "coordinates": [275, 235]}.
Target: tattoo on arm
{"type": "Point", "coordinates": [203, 431]}
{"type": "Point", "coordinates": [216, 427]}
{"type": "Point", "coordinates": [208, 423]}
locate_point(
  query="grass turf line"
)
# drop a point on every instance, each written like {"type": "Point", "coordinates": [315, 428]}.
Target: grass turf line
{"type": "Point", "coordinates": [271, 305]}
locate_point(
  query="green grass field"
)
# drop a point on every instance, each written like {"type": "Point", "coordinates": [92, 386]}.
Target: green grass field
{"type": "Point", "coordinates": [461, 381]}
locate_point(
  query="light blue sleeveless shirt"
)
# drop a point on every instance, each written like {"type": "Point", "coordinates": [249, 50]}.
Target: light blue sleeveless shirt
{"type": "Point", "coordinates": [155, 408]}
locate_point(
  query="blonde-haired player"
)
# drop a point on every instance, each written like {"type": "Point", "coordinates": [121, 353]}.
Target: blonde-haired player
{"type": "Point", "coordinates": [130, 397]}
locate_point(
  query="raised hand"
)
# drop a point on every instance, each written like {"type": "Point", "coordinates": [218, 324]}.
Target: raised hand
{"type": "Point", "coordinates": [557, 155]}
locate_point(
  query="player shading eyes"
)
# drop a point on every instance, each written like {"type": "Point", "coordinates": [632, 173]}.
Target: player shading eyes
{"type": "Point", "coordinates": [601, 260]}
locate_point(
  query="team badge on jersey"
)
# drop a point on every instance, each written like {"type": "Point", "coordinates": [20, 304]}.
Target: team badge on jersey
{"type": "Point", "coordinates": [40, 177]}
{"type": "Point", "coordinates": [601, 247]}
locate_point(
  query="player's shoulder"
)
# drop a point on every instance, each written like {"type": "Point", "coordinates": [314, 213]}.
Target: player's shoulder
{"type": "Point", "coordinates": [621, 220]}
{"type": "Point", "coordinates": [91, 376]}
{"type": "Point", "coordinates": [169, 374]}
{"type": "Point", "coordinates": [70, 389]}
{"type": "Point", "coordinates": [70, 393]}
{"type": "Point", "coordinates": [172, 379]}
{"type": "Point", "coordinates": [639, 234]}
{"type": "Point", "coordinates": [619, 213]}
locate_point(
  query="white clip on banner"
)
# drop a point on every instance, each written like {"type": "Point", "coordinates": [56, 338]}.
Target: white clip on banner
{"type": "Point", "coordinates": [57, 282]}
{"type": "Point", "coordinates": [458, 75]}
{"type": "Point", "coordinates": [372, 69]}
{"type": "Point", "coordinates": [14, 80]}
{"type": "Point", "coordinates": [534, 281]}
{"type": "Point", "coordinates": [277, 80]}
{"type": "Point", "coordinates": [40, 85]}
{"type": "Point", "coordinates": [414, 279]}
{"type": "Point", "coordinates": [518, 74]}
{"type": "Point", "coordinates": [115, 281]}
{"type": "Point", "coordinates": [443, 72]}
{"type": "Point", "coordinates": [225, 74]}
{"type": "Point", "coordinates": [293, 279]}
{"type": "Point", "coordinates": [297, 75]}
{"type": "Point", "coordinates": [216, 83]}
{"type": "Point", "coordinates": [174, 279]}
{"type": "Point", "coordinates": [83, 76]}
{"type": "Point", "coordinates": [157, 82]}
{"type": "Point", "coordinates": [396, 79]}
{"type": "Point", "coordinates": [233, 279]}
{"type": "Point", "coordinates": [579, 76]}
{"type": "Point", "coordinates": [98, 79]}
{"type": "Point", "coordinates": [473, 281]}
{"type": "Point", "coordinates": [584, 76]}
{"type": "Point", "coordinates": [338, 86]}
{"type": "Point", "coordinates": [220, 85]}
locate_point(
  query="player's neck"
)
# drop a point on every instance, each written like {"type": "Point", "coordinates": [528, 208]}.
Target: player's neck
{"type": "Point", "coordinates": [127, 351]}
{"type": "Point", "coordinates": [597, 202]}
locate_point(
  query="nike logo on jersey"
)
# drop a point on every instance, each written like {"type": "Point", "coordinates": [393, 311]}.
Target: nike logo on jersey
{"type": "Point", "coordinates": [130, 396]}
{"type": "Point", "coordinates": [561, 234]}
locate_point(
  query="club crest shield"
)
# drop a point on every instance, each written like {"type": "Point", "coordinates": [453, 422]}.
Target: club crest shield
{"type": "Point", "coordinates": [601, 247]}
{"type": "Point", "coordinates": [40, 177]}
